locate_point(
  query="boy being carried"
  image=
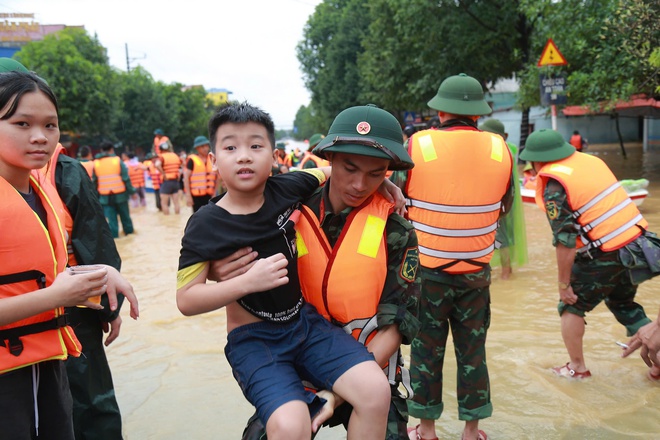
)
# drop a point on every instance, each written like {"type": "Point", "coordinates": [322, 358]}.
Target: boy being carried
{"type": "Point", "coordinates": [274, 338]}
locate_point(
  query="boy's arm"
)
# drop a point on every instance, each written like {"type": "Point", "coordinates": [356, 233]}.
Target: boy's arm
{"type": "Point", "coordinates": [194, 296]}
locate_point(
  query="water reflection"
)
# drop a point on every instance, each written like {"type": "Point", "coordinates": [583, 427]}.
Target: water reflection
{"type": "Point", "coordinates": [173, 381]}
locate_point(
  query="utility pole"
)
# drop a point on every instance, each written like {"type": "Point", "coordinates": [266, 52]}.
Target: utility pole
{"type": "Point", "coordinates": [128, 59]}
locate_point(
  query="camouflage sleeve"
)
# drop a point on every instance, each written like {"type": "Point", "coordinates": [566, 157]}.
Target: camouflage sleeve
{"type": "Point", "coordinates": [559, 215]}
{"type": "Point", "coordinates": [399, 303]}
{"type": "Point", "coordinates": [399, 178]}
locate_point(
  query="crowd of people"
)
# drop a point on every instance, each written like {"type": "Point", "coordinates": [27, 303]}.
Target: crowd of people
{"type": "Point", "coordinates": [311, 340]}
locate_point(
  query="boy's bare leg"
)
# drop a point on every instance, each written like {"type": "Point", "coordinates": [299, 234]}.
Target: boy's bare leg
{"type": "Point", "coordinates": [290, 422]}
{"type": "Point", "coordinates": [366, 388]}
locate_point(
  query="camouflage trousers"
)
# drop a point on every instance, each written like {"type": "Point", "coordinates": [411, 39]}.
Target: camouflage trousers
{"type": "Point", "coordinates": [466, 311]}
{"type": "Point", "coordinates": [605, 278]}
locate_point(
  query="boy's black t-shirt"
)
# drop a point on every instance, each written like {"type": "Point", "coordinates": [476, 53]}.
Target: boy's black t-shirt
{"type": "Point", "coordinates": [213, 233]}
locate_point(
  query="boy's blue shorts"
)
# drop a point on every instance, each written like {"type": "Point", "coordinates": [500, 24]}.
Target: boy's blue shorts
{"type": "Point", "coordinates": [269, 360]}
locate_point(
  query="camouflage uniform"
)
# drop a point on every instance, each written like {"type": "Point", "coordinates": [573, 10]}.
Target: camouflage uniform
{"type": "Point", "coordinates": [596, 275]}
{"type": "Point", "coordinates": [462, 302]}
{"type": "Point", "coordinates": [399, 303]}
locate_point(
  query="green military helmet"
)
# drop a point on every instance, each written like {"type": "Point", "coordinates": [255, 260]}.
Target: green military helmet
{"type": "Point", "coordinates": [461, 95]}
{"type": "Point", "coordinates": [493, 126]}
{"type": "Point", "coordinates": [315, 139]}
{"type": "Point", "coordinates": [280, 146]}
{"type": "Point", "coordinates": [367, 131]}
{"type": "Point", "coordinates": [201, 141]}
{"type": "Point", "coordinates": [159, 131]}
{"type": "Point", "coordinates": [546, 145]}
{"type": "Point", "coordinates": [11, 65]}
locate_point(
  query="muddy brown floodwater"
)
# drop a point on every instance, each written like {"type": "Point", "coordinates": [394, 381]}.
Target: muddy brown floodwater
{"type": "Point", "coordinates": [173, 381]}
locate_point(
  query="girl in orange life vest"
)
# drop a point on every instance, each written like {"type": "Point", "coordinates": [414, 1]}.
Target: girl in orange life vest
{"type": "Point", "coordinates": [34, 285]}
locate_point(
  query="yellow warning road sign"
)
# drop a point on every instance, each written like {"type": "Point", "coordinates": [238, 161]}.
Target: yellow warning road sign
{"type": "Point", "coordinates": [551, 55]}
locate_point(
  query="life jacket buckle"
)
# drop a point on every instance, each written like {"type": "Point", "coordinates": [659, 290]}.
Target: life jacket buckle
{"type": "Point", "coordinates": [15, 346]}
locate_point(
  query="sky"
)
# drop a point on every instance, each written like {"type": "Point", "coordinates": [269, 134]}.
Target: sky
{"type": "Point", "coordinates": [245, 46]}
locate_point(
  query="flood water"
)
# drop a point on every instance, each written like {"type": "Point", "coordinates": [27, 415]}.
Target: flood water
{"type": "Point", "coordinates": [173, 382]}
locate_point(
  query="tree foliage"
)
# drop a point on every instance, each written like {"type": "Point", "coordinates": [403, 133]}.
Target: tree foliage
{"type": "Point", "coordinates": [77, 69]}
{"type": "Point", "coordinates": [409, 47]}
{"type": "Point", "coordinates": [98, 102]}
{"type": "Point", "coordinates": [328, 55]}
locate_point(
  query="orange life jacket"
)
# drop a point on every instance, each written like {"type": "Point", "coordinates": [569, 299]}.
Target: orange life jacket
{"type": "Point", "coordinates": [333, 279]}
{"type": "Point", "coordinates": [456, 219]}
{"type": "Point", "coordinates": [89, 167]}
{"type": "Point", "coordinates": [48, 173]}
{"type": "Point", "coordinates": [158, 142]}
{"type": "Point", "coordinates": [314, 158]}
{"type": "Point", "coordinates": [136, 174]}
{"type": "Point", "coordinates": [576, 141]}
{"type": "Point", "coordinates": [170, 163]}
{"type": "Point", "coordinates": [154, 173]}
{"type": "Point", "coordinates": [608, 218]}
{"type": "Point", "coordinates": [108, 174]}
{"type": "Point", "coordinates": [202, 178]}
{"type": "Point", "coordinates": [32, 256]}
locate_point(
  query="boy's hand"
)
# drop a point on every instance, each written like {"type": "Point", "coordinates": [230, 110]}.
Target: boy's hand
{"type": "Point", "coordinates": [232, 266]}
{"type": "Point", "coordinates": [268, 273]}
{"type": "Point", "coordinates": [393, 193]}
{"type": "Point", "coordinates": [326, 411]}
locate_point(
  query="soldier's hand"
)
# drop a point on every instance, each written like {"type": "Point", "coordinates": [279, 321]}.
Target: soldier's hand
{"type": "Point", "coordinates": [567, 295]}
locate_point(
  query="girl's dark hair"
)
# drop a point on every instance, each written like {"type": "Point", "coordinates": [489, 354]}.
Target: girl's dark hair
{"type": "Point", "coordinates": [241, 114]}
{"type": "Point", "coordinates": [15, 84]}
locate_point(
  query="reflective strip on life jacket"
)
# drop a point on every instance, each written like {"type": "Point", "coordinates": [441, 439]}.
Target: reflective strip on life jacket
{"type": "Point", "coordinates": [456, 219]}
{"type": "Point", "coordinates": [108, 174]}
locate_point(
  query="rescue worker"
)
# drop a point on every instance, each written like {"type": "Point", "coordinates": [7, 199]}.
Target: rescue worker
{"type": "Point", "coordinates": [155, 176]}
{"type": "Point", "coordinates": [511, 233]}
{"type": "Point", "coordinates": [281, 162]}
{"type": "Point", "coordinates": [159, 139]}
{"type": "Point", "coordinates": [86, 159]}
{"type": "Point", "coordinates": [114, 189]}
{"type": "Point", "coordinates": [169, 164]}
{"type": "Point", "coordinates": [200, 180]}
{"type": "Point", "coordinates": [311, 160]}
{"type": "Point", "coordinates": [295, 157]}
{"type": "Point", "coordinates": [95, 410]}
{"type": "Point", "coordinates": [136, 174]}
{"type": "Point", "coordinates": [601, 240]}
{"type": "Point", "coordinates": [347, 229]}
{"type": "Point", "coordinates": [578, 141]}
{"type": "Point", "coordinates": [455, 214]}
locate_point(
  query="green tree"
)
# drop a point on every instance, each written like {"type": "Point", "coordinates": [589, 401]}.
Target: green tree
{"type": "Point", "coordinates": [328, 55]}
{"type": "Point", "coordinates": [77, 69]}
{"type": "Point", "coordinates": [306, 123]}
{"type": "Point", "coordinates": [142, 110]}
